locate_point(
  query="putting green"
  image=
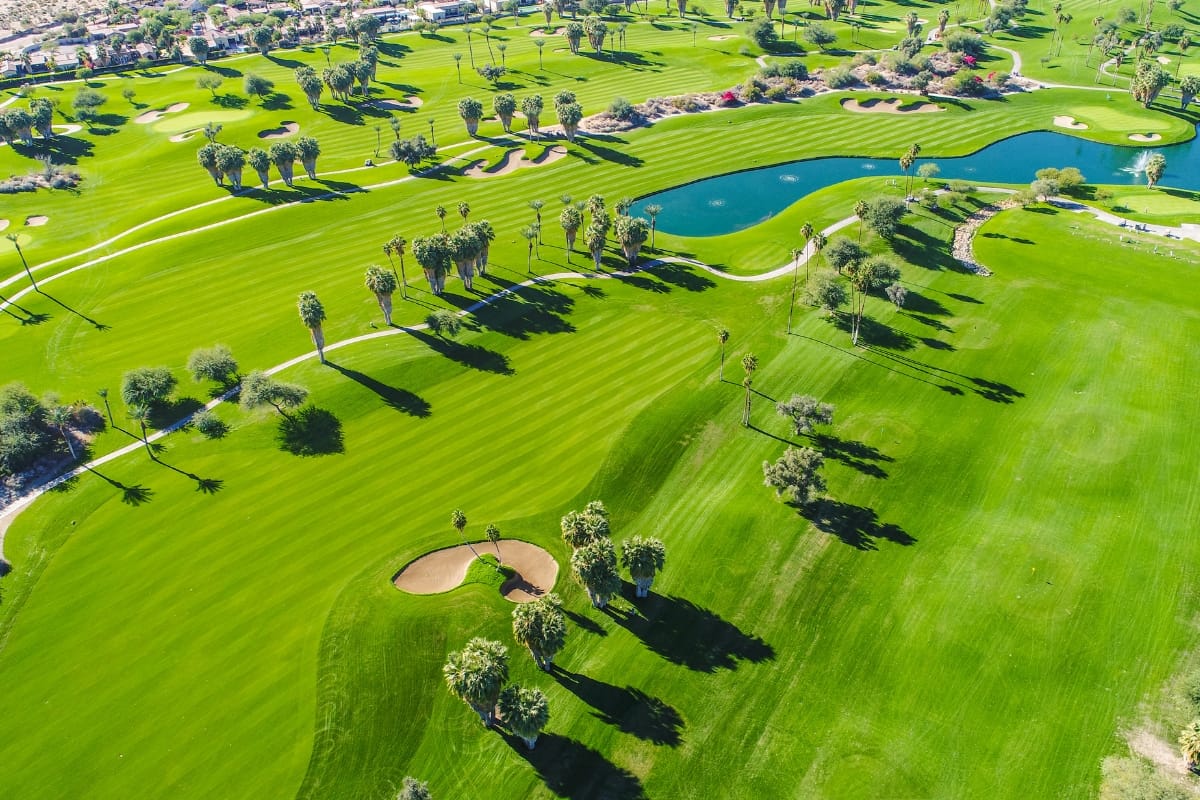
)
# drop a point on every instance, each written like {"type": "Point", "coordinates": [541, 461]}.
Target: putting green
{"type": "Point", "coordinates": [177, 123]}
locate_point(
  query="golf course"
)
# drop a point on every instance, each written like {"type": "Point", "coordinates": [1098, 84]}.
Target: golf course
{"type": "Point", "coordinates": [266, 580]}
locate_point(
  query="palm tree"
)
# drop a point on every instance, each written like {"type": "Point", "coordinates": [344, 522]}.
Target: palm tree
{"type": "Point", "coordinates": [749, 364]}
{"type": "Point", "coordinates": [1155, 168]}
{"type": "Point", "coordinates": [505, 105]}
{"type": "Point", "coordinates": [397, 245]}
{"type": "Point", "coordinates": [537, 206]}
{"type": "Point", "coordinates": [595, 568]}
{"type": "Point", "coordinates": [722, 338]}
{"type": "Point", "coordinates": [643, 558]}
{"type": "Point", "coordinates": [458, 65]}
{"type": "Point", "coordinates": [382, 284]}
{"type": "Point", "coordinates": [308, 149]}
{"type": "Point", "coordinates": [486, 234]}
{"type": "Point", "coordinates": [261, 163]}
{"type": "Point", "coordinates": [458, 519]}
{"type": "Point", "coordinates": [441, 215]}
{"type": "Point", "coordinates": [652, 211]}
{"type": "Point", "coordinates": [468, 30]}
{"type": "Point", "coordinates": [464, 211]}
{"type": "Point", "coordinates": [541, 627]}
{"type": "Point", "coordinates": [312, 314]}
{"type": "Point", "coordinates": [525, 711]}
{"type": "Point", "coordinates": [475, 675]}
{"type": "Point", "coordinates": [1189, 743]}
{"type": "Point", "coordinates": [141, 413]}
{"type": "Point", "coordinates": [906, 163]}
{"type": "Point", "coordinates": [860, 209]}
{"type": "Point", "coordinates": [806, 231]}
{"type": "Point", "coordinates": [539, 43]}
{"type": "Point", "coordinates": [284, 154]}
{"type": "Point", "coordinates": [60, 417]}
{"type": "Point", "coordinates": [413, 789]}
{"type": "Point", "coordinates": [107, 408]}
{"type": "Point", "coordinates": [819, 242]}
{"type": "Point", "coordinates": [493, 535]}
{"type": "Point", "coordinates": [207, 156]}
{"type": "Point", "coordinates": [581, 528]}
{"type": "Point", "coordinates": [571, 220]}
{"type": "Point", "coordinates": [231, 160]}
{"type": "Point", "coordinates": [531, 108]}
{"type": "Point", "coordinates": [796, 253]}
{"type": "Point", "coordinates": [529, 234]}
{"type": "Point", "coordinates": [471, 111]}
{"type": "Point", "coordinates": [12, 237]}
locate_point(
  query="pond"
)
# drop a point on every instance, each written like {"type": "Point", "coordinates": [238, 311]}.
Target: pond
{"type": "Point", "coordinates": [733, 202]}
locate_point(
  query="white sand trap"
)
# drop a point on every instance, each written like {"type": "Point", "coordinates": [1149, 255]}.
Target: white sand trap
{"type": "Point", "coordinates": [892, 106]}
{"type": "Point", "coordinates": [188, 134]}
{"type": "Point", "coordinates": [282, 132]}
{"type": "Point", "coordinates": [562, 49]}
{"type": "Point", "coordinates": [1145, 137]}
{"type": "Point", "coordinates": [159, 113]}
{"type": "Point", "coordinates": [1069, 122]}
{"type": "Point", "coordinates": [514, 160]}
{"type": "Point", "coordinates": [541, 33]}
{"type": "Point", "coordinates": [443, 570]}
{"type": "Point", "coordinates": [1164, 60]}
{"type": "Point", "coordinates": [412, 101]}
{"type": "Point", "coordinates": [36, 220]}
{"type": "Point", "coordinates": [722, 37]}
{"type": "Point", "coordinates": [3, 224]}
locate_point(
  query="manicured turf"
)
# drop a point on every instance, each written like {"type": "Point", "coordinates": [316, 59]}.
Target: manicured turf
{"type": "Point", "coordinates": [1000, 575]}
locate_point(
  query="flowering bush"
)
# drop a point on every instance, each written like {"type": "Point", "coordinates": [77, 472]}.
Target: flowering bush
{"type": "Point", "coordinates": [728, 98]}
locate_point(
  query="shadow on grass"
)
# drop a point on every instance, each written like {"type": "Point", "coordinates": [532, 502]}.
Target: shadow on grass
{"type": "Point", "coordinates": [100, 326]}
{"type": "Point", "coordinates": [856, 526]}
{"type": "Point", "coordinates": [575, 771]}
{"type": "Point", "coordinates": [626, 708]}
{"type": "Point", "coordinates": [585, 623]}
{"type": "Point", "coordinates": [469, 355]}
{"type": "Point", "coordinates": [130, 495]}
{"type": "Point", "coordinates": [400, 399]}
{"type": "Point", "coordinates": [689, 635]}
{"type": "Point", "coordinates": [203, 485]}
{"type": "Point", "coordinates": [311, 432]}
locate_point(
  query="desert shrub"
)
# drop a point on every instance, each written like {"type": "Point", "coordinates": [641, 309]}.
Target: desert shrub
{"type": "Point", "coordinates": [963, 42]}
{"type": "Point", "coordinates": [875, 78]}
{"type": "Point", "coordinates": [621, 109]}
{"type": "Point", "coordinates": [210, 425]}
{"type": "Point", "coordinates": [777, 92]}
{"type": "Point", "coordinates": [839, 78]}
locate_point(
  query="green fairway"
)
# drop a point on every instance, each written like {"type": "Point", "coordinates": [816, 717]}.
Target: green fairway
{"type": "Point", "coordinates": [996, 580]}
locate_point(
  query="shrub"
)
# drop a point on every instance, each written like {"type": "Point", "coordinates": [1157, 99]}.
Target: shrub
{"type": "Point", "coordinates": [839, 78]}
{"type": "Point", "coordinates": [779, 92]}
{"type": "Point", "coordinates": [922, 80]}
{"type": "Point", "coordinates": [622, 109]}
{"type": "Point", "coordinates": [763, 33]}
{"type": "Point", "coordinates": [962, 187]}
{"type": "Point", "coordinates": [210, 425]}
{"type": "Point", "coordinates": [744, 50]}
{"type": "Point", "coordinates": [793, 69]}
{"type": "Point", "coordinates": [875, 78]}
{"type": "Point", "coordinates": [963, 42]}
{"type": "Point", "coordinates": [751, 93]}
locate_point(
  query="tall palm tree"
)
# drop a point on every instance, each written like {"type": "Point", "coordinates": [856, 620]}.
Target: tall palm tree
{"type": "Point", "coordinates": [458, 519]}
{"type": "Point", "coordinates": [12, 237]}
{"type": "Point", "coordinates": [537, 206]}
{"type": "Point", "coordinates": [142, 415]}
{"type": "Point", "coordinates": [476, 674]}
{"type": "Point", "coordinates": [60, 417]}
{"type": "Point", "coordinates": [819, 242]}
{"type": "Point", "coordinates": [312, 314]}
{"type": "Point", "coordinates": [441, 215]}
{"type": "Point", "coordinates": [541, 627]}
{"type": "Point", "coordinates": [722, 338]}
{"type": "Point", "coordinates": [644, 558]}
{"type": "Point", "coordinates": [525, 711]}
{"type": "Point", "coordinates": [749, 364]}
{"type": "Point", "coordinates": [796, 253]}
{"type": "Point", "coordinates": [399, 243]}
{"type": "Point", "coordinates": [652, 211]}
{"type": "Point", "coordinates": [539, 43]}
{"type": "Point", "coordinates": [464, 211]}
{"type": "Point", "coordinates": [493, 535]}
{"type": "Point", "coordinates": [595, 568]}
{"type": "Point", "coordinates": [468, 30]}
{"type": "Point", "coordinates": [530, 236]}
{"type": "Point", "coordinates": [382, 284]}
{"type": "Point", "coordinates": [860, 208]}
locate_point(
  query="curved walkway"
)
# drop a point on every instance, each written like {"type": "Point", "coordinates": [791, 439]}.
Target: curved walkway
{"type": "Point", "coordinates": [8, 513]}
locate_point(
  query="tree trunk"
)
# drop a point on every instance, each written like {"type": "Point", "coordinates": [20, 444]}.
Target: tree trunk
{"type": "Point", "coordinates": [483, 258]}
{"type": "Point", "coordinates": [216, 175]}
{"type": "Point", "coordinates": [385, 305]}
{"type": "Point", "coordinates": [235, 178]}
{"type": "Point", "coordinates": [643, 585]}
{"type": "Point", "coordinates": [265, 177]}
{"type": "Point", "coordinates": [466, 271]}
{"type": "Point", "coordinates": [631, 251]}
{"type": "Point", "coordinates": [506, 121]}
{"type": "Point", "coordinates": [318, 337]}
{"type": "Point", "coordinates": [472, 126]}
{"type": "Point", "coordinates": [530, 741]}
{"type": "Point", "coordinates": [570, 130]}
{"type": "Point", "coordinates": [286, 171]}
{"type": "Point", "coordinates": [310, 166]}
{"type": "Point", "coordinates": [746, 409]}
{"type": "Point", "coordinates": [570, 241]}
{"type": "Point", "coordinates": [596, 256]}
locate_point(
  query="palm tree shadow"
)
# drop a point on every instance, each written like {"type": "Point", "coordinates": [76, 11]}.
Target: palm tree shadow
{"type": "Point", "coordinates": [203, 485]}
{"type": "Point", "coordinates": [30, 318]}
{"type": "Point", "coordinates": [572, 770]}
{"type": "Point", "coordinates": [130, 495]}
{"type": "Point", "coordinates": [399, 399]}
{"type": "Point", "coordinates": [311, 432]}
{"type": "Point", "coordinates": [469, 355]}
{"type": "Point", "coordinates": [585, 623]}
{"type": "Point", "coordinates": [856, 526]}
{"type": "Point", "coordinates": [100, 326]}
{"type": "Point", "coordinates": [858, 455]}
{"type": "Point", "coordinates": [626, 708]}
{"type": "Point", "coordinates": [689, 635]}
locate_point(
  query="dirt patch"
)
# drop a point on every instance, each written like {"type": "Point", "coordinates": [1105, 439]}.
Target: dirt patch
{"type": "Point", "coordinates": [1063, 121]}
{"type": "Point", "coordinates": [188, 134]}
{"type": "Point", "coordinates": [722, 37]}
{"type": "Point", "coordinates": [1145, 137]}
{"type": "Point", "coordinates": [1167, 758]}
{"type": "Point", "coordinates": [443, 570]}
{"type": "Point", "coordinates": [282, 132]}
{"type": "Point", "coordinates": [411, 101]}
{"type": "Point", "coordinates": [159, 113]}
{"type": "Point", "coordinates": [892, 106]}
{"type": "Point", "coordinates": [514, 160]}
{"type": "Point", "coordinates": [36, 220]}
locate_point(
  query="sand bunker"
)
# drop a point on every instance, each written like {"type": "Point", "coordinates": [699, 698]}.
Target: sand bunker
{"type": "Point", "coordinates": [1164, 60]}
{"type": "Point", "coordinates": [1069, 122]}
{"type": "Point", "coordinates": [722, 37]}
{"type": "Point", "coordinates": [157, 114]}
{"type": "Point", "coordinates": [892, 106]}
{"type": "Point", "coordinates": [188, 134]}
{"type": "Point", "coordinates": [36, 220]}
{"type": "Point", "coordinates": [443, 570]}
{"type": "Point", "coordinates": [412, 101]}
{"type": "Point", "coordinates": [3, 224]}
{"type": "Point", "coordinates": [1145, 137]}
{"type": "Point", "coordinates": [514, 160]}
{"type": "Point", "coordinates": [539, 33]}
{"type": "Point", "coordinates": [283, 131]}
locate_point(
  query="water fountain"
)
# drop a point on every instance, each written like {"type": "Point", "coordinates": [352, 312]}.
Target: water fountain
{"type": "Point", "coordinates": [1138, 165]}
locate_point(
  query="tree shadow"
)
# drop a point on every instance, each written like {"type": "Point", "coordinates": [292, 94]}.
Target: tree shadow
{"type": "Point", "coordinates": [311, 432]}
{"type": "Point", "coordinates": [920, 304]}
{"type": "Point", "coordinates": [30, 318]}
{"type": "Point", "coordinates": [575, 771]}
{"type": "Point", "coordinates": [856, 526]}
{"type": "Point", "coordinates": [919, 248]}
{"type": "Point", "coordinates": [608, 153]}
{"type": "Point", "coordinates": [689, 635]}
{"type": "Point", "coordinates": [585, 623]}
{"type": "Point", "coordinates": [872, 332]}
{"type": "Point", "coordinates": [684, 276]}
{"type": "Point", "coordinates": [527, 311]}
{"type": "Point", "coordinates": [230, 100]}
{"type": "Point", "coordinates": [130, 495]}
{"type": "Point", "coordinates": [224, 72]}
{"type": "Point", "coordinates": [164, 414]}
{"type": "Point", "coordinates": [626, 708]}
{"type": "Point", "coordinates": [100, 326]}
{"type": "Point", "coordinates": [277, 101]}
{"type": "Point", "coordinates": [469, 355]}
{"type": "Point", "coordinates": [947, 385]}
{"type": "Point", "coordinates": [855, 454]}
{"type": "Point", "coordinates": [937, 325]}
{"type": "Point", "coordinates": [203, 485]}
{"type": "Point", "coordinates": [641, 281]}
{"type": "Point", "coordinates": [995, 391]}
{"type": "Point", "coordinates": [399, 399]}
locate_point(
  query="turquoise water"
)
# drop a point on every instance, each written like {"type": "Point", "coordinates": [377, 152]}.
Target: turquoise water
{"type": "Point", "coordinates": [733, 202]}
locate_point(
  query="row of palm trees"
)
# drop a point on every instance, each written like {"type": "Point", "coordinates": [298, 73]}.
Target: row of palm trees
{"type": "Point", "coordinates": [566, 108]}
{"type": "Point", "coordinates": [223, 161]}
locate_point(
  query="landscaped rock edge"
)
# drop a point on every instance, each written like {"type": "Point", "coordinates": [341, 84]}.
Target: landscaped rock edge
{"type": "Point", "coordinates": [964, 236]}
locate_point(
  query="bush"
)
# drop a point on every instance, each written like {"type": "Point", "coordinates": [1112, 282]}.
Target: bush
{"type": "Point", "coordinates": [210, 425]}
{"type": "Point", "coordinates": [751, 93]}
{"type": "Point", "coordinates": [962, 187]}
{"type": "Point", "coordinates": [622, 109]}
{"type": "Point", "coordinates": [922, 80]}
{"type": "Point", "coordinates": [745, 50]}
{"type": "Point", "coordinates": [793, 69]}
{"type": "Point", "coordinates": [817, 34]}
{"type": "Point", "coordinates": [875, 78]}
{"type": "Point", "coordinates": [24, 435]}
{"type": "Point", "coordinates": [776, 93]}
{"type": "Point", "coordinates": [839, 78]}
{"type": "Point", "coordinates": [963, 42]}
